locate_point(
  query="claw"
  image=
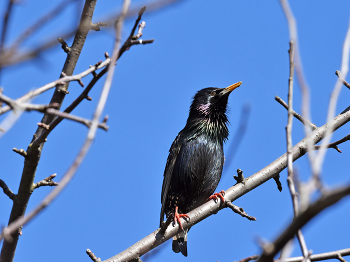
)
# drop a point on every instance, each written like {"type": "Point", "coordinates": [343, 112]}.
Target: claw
{"type": "Point", "coordinates": [216, 195]}
{"type": "Point", "coordinates": [177, 217]}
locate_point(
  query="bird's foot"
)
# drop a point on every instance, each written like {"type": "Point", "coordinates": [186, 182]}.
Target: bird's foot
{"type": "Point", "coordinates": [220, 195]}
{"type": "Point", "coordinates": [177, 217]}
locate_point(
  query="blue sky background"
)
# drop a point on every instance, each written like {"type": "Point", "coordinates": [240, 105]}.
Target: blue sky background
{"type": "Point", "coordinates": [114, 199]}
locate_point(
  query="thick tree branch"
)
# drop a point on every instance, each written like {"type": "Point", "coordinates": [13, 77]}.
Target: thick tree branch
{"type": "Point", "coordinates": [156, 238]}
{"type": "Point", "coordinates": [8, 192]}
{"type": "Point", "coordinates": [84, 95]}
{"type": "Point", "coordinates": [34, 151]}
{"type": "Point", "coordinates": [8, 231]}
{"type": "Point", "coordinates": [302, 219]}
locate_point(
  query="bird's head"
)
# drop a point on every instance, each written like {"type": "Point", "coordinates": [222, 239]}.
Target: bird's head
{"type": "Point", "coordinates": [208, 111]}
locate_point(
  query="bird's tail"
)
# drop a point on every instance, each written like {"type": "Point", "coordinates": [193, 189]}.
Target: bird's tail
{"type": "Point", "coordinates": [180, 243]}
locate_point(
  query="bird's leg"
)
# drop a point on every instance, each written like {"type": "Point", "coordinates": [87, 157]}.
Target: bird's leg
{"type": "Point", "coordinates": [177, 217]}
{"type": "Point", "coordinates": [216, 195]}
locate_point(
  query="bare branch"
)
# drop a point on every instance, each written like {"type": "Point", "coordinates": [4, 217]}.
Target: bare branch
{"type": "Point", "coordinates": [240, 177]}
{"type": "Point", "coordinates": [26, 106]}
{"type": "Point", "coordinates": [142, 25]}
{"type": "Point", "coordinates": [322, 256]}
{"type": "Point", "coordinates": [22, 152]}
{"type": "Point", "coordinates": [305, 122]}
{"type": "Point", "coordinates": [334, 144]}
{"type": "Point", "coordinates": [64, 45]}
{"type": "Point", "coordinates": [97, 26]}
{"type": "Point", "coordinates": [46, 182]}
{"type": "Point", "coordinates": [157, 237]}
{"type": "Point", "coordinates": [92, 256]}
{"type": "Point", "coordinates": [90, 137]}
{"type": "Point", "coordinates": [65, 79]}
{"type": "Point", "coordinates": [341, 79]}
{"type": "Point", "coordinates": [239, 210]}
{"type": "Point", "coordinates": [5, 25]}
{"type": "Point", "coordinates": [302, 219]}
{"type": "Point", "coordinates": [247, 259]}
{"type": "Point", "coordinates": [8, 192]}
{"type": "Point", "coordinates": [34, 151]}
{"type": "Point", "coordinates": [84, 95]}
{"type": "Point", "coordinates": [332, 104]}
{"type": "Point", "coordinates": [78, 119]}
{"type": "Point", "coordinates": [35, 52]}
{"type": "Point", "coordinates": [278, 182]}
{"type": "Point", "coordinates": [289, 148]}
{"type": "Point", "coordinates": [39, 23]}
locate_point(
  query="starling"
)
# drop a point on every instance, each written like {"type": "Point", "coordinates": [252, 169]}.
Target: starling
{"type": "Point", "coordinates": [196, 158]}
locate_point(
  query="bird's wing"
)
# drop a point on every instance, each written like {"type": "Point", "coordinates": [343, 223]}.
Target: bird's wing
{"type": "Point", "coordinates": [170, 163]}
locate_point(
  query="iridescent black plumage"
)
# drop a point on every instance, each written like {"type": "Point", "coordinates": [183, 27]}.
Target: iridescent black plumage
{"type": "Point", "coordinates": [196, 158]}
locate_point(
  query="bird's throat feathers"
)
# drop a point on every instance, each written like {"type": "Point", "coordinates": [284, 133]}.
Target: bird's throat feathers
{"type": "Point", "coordinates": [204, 119]}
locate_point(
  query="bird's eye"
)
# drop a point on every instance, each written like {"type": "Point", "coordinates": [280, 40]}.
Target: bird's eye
{"type": "Point", "coordinates": [213, 93]}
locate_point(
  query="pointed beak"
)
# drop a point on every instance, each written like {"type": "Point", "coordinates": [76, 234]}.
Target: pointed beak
{"type": "Point", "coordinates": [230, 88]}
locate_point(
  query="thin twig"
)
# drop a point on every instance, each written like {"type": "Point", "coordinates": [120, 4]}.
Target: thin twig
{"type": "Point", "coordinates": [84, 95]}
{"type": "Point", "coordinates": [334, 144]}
{"type": "Point", "coordinates": [247, 259]}
{"type": "Point", "coordinates": [289, 148]}
{"type": "Point", "coordinates": [238, 210]}
{"type": "Point", "coordinates": [5, 25]}
{"type": "Point", "coordinates": [65, 79]}
{"type": "Point", "coordinates": [321, 256]}
{"type": "Point", "coordinates": [46, 182]}
{"type": "Point", "coordinates": [312, 127]}
{"type": "Point", "coordinates": [301, 220]}
{"type": "Point", "coordinates": [35, 52]}
{"type": "Point", "coordinates": [92, 256]}
{"type": "Point", "coordinates": [305, 122]}
{"type": "Point", "coordinates": [26, 106]}
{"type": "Point", "coordinates": [21, 152]}
{"type": "Point", "coordinates": [305, 108]}
{"type": "Point", "coordinates": [8, 192]}
{"type": "Point", "coordinates": [37, 25]}
{"type": "Point", "coordinates": [341, 79]}
{"type": "Point", "coordinates": [332, 104]}
{"type": "Point", "coordinates": [78, 119]}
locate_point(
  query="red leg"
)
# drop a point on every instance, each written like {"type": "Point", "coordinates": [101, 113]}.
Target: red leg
{"type": "Point", "coordinates": [177, 217]}
{"type": "Point", "coordinates": [216, 195]}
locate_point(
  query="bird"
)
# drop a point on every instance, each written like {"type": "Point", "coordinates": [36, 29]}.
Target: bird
{"type": "Point", "coordinates": [196, 158]}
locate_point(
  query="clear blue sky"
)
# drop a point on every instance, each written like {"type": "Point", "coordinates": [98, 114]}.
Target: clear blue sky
{"type": "Point", "coordinates": [114, 199]}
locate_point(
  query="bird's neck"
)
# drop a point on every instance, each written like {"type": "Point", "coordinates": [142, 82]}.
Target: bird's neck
{"type": "Point", "coordinates": [214, 128]}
